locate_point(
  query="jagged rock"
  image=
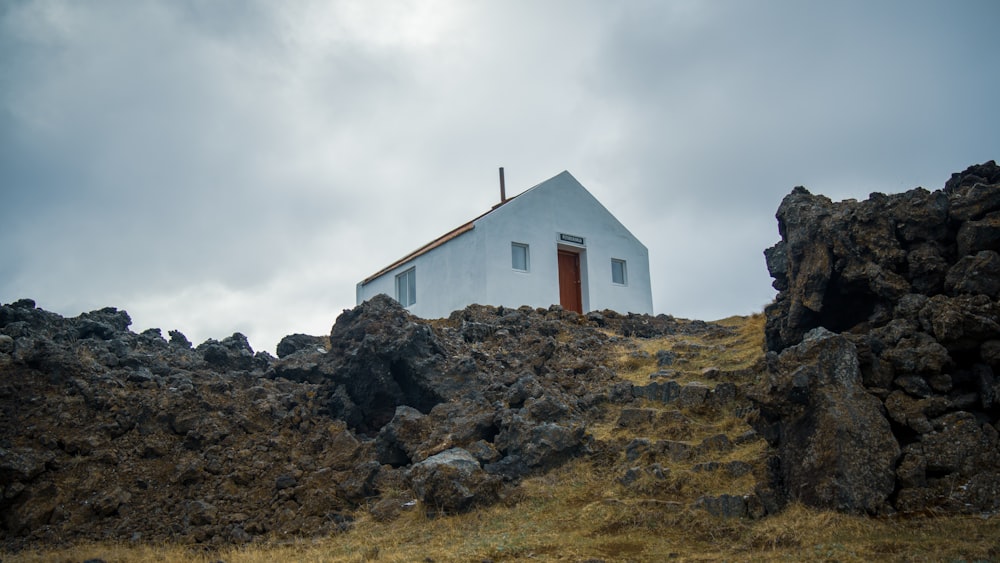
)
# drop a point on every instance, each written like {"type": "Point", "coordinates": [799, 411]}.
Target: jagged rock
{"type": "Point", "coordinates": [833, 251]}
{"type": "Point", "coordinates": [631, 476]}
{"type": "Point", "coordinates": [22, 465]}
{"type": "Point", "coordinates": [452, 481]}
{"type": "Point", "coordinates": [912, 280]}
{"type": "Point", "coordinates": [384, 358]}
{"type": "Point", "coordinates": [636, 448]}
{"type": "Point", "coordinates": [32, 508]}
{"type": "Point", "coordinates": [972, 193]}
{"type": "Point", "coordinates": [297, 342]}
{"type": "Point", "coordinates": [398, 441]}
{"type": "Point", "coordinates": [861, 249]}
{"type": "Point", "coordinates": [959, 444]}
{"type": "Point", "coordinates": [305, 366]}
{"type": "Point", "coordinates": [977, 274]}
{"type": "Point", "coordinates": [232, 353]}
{"type": "Point", "coordinates": [104, 324]}
{"type": "Point", "coordinates": [358, 482]}
{"type": "Point", "coordinates": [836, 448]}
{"type": "Point", "coordinates": [976, 236]}
{"type": "Point", "coordinates": [961, 323]}
{"type": "Point", "coordinates": [476, 332]}
{"type": "Point", "coordinates": [108, 503]}
{"type": "Point", "coordinates": [926, 268]}
{"type": "Point", "coordinates": [484, 452]}
{"type": "Point", "coordinates": [545, 408]}
{"type": "Point", "coordinates": [218, 444]}
{"type": "Point", "coordinates": [639, 475]}
{"type": "Point", "coordinates": [526, 387]}
{"type": "Point", "coordinates": [919, 354]}
{"type": "Point", "coordinates": [914, 385]}
{"type": "Point", "coordinates": [177, 338]}
{"type": "Point", "coordinates": [663, 391]}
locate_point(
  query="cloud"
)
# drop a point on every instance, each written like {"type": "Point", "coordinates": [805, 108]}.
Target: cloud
{"type": "Point", "coordinates": [240, 165]}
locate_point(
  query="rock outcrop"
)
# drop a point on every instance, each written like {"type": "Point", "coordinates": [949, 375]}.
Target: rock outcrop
{"type": "Point", "coordinates": [109, 434]}
{"type": "Point", "coordinates": [911, 283]}
{"type": "Point", "coordinates": [834, 445]}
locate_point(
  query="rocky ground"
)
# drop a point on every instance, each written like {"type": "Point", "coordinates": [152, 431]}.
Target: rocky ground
{"type": "Point", "coordinates": [111, 435]}
{"type": "Point", "coordinates": [877, 395]}
{"type": "Point", "coordinates": [884, 396]}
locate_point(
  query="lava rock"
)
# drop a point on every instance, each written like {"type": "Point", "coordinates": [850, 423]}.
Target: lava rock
{"type": "Point", "coordinates": [452, 481]}
{"type": "Point", "coordinates": [836, 448]}
{"type": "Point", "coordinates": [297, 342]}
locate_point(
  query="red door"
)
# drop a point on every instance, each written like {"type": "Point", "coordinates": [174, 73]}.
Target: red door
{"type": "Point", "coordinates": [569, 282]}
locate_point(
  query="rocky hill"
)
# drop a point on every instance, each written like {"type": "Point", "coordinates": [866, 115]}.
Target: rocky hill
{"type": "Point", "coordinates": [884, 396]}
{"type": "Point", "coordinates": [108, 434]}
{"type": "Point", "coordinates": [876, 395]}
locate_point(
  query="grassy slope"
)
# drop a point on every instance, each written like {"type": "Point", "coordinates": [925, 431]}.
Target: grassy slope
{"type": "Point", "coordinates": [580, 511]}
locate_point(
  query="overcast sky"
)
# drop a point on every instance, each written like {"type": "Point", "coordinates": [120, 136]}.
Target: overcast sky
{"type": "Point", "coordinates": [220, 166]}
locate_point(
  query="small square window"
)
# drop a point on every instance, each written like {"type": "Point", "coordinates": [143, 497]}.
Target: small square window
{"type": "Point", "coordinates": [619, 273]}
{"type": "Point", "coordinates": [519, 256]}
{"type": "Point", "coordinates": [406, 287]}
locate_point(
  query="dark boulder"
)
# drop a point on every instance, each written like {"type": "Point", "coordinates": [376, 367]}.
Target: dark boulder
{"type": "Point", "coordinates": [296, 342]}
{"type": "Point", "coordinates": [976, 236]}
{"type": "Point", "coordinates": [232, 353]}
{"type": "Point", "coordinates": [452, 481]}
{"type": "Point", "coordinates": [973, 192]}
{"type": "Point", "coordinates": [836, 447]}
{"type": "Point", "coordinates": [382, 358]}
{"type": "Point", "coordinates": [977, 274]}
{"type": "Point", "coordinates": [532, 445]}
{"type": "Point", "coordinates": [177, 338]}
{"type": "Point", "coordinates": [399, 441]}
{"type": "Point", "coordinates": [22, 465]}
{"type": "Point", "coordinates": [913, 281]}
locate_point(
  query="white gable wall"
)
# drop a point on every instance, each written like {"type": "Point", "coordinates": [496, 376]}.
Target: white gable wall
{"type": "Point", "coordinates": [537, 218]}
{"type": "Point", "coordinates": [475, 267]}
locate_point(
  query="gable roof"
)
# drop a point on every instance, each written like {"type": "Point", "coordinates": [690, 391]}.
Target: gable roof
{"type": "Point", "coordinates": [452, 234]}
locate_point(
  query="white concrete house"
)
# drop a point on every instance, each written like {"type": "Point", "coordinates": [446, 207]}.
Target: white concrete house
{"type": "Point", "coordinates": [554, 243]}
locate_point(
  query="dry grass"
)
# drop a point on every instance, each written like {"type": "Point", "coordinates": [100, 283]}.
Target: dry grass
{"type": "Point", "coordinates": [572, 514]}
{"type": "Point", "coordinates": [740, 350]}
{"type": "Point", "coordinates": [580, 511]}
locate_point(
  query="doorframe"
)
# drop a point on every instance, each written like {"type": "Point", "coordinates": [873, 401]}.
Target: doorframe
{"type": "Point", "coordinates": [581, 253]}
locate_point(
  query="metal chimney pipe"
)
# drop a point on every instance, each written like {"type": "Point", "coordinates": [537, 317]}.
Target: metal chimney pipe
{"type": "Point", "coordinates": [503, 189]}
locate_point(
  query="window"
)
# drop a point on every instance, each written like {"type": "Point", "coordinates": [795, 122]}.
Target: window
{"type": "Point", "coordinates": [406, 287]}
{"type": "Point", "coordinates": [619, 274]}
{"type": "Point", "coordinates": [519, 256]}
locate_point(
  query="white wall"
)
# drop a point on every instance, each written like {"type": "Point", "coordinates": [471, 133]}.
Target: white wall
{"type": "Point", "coordinates": [476, 266]}
{"type": "Point", "coordinates": [449, 277]}
{"type": "Point", "coordinates": [537, 217]}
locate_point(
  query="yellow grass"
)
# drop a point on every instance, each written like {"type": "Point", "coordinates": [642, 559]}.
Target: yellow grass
{"type": "Point", "coordinates": [580, 511]}
{"type": "Point", "coordinates": [744, 349]}
{"type": "Point", "coordinates": [573, 514]}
